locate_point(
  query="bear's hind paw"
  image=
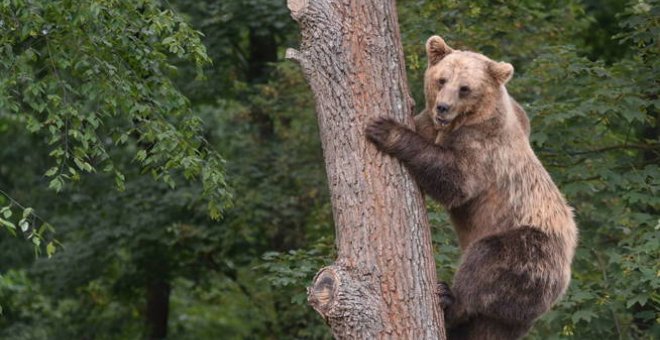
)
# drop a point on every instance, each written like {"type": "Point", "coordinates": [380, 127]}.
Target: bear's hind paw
{"type": "Point", "coordinates": [446, 296]}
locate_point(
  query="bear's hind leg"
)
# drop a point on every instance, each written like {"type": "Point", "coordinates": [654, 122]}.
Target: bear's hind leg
{"type": "Point", "coordinates": [505, 282]}
{"type": "Point", "coordinates": [483, 328]}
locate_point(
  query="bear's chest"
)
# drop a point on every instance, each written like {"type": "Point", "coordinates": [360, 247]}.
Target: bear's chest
{"type": "Point", "coordinates": [486, 214]}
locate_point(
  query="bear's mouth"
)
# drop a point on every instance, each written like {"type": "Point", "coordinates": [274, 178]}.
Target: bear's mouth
{"type": "Point", "coordinates": [442, 122]}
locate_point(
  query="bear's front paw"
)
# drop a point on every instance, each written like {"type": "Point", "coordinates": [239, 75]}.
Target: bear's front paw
{"type": "Point", "coordinates": [445, 294]}
{"type": "Point", "coordinates": [382, 132]}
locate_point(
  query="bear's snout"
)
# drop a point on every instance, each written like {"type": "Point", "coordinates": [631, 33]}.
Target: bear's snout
{"type": "Point", "coordinates": [442, 117]}
{"type": "Point", "coordinates": [442, 108]}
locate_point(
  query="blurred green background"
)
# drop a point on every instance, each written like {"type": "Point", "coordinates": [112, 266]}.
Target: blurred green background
{"type": "Point", "coordinates": [161, 173]}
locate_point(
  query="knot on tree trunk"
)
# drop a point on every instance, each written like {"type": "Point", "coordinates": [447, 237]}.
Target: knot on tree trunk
{"type": "Point", "coordinates": [338, 296]}
{"type": "Point", "coordinates": [321, 294]}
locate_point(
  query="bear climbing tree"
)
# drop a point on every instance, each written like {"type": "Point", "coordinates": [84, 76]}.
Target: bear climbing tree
{"type": "Point", "coordinates": [382, 284]}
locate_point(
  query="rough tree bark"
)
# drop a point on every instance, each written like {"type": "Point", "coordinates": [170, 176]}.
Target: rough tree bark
{"type": "Point", "coordinates": [383, 283]}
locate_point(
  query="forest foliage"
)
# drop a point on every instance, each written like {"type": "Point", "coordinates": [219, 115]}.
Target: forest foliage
{"type": "Point", "coordinates": [165, 152]}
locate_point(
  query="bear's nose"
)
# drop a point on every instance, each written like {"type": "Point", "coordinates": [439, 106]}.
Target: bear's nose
{"type": "Point", "coordinates": [443, 108]}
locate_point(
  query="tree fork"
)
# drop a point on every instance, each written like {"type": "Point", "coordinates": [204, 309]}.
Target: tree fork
{"type": "Point", "coordinates": [383, 282]}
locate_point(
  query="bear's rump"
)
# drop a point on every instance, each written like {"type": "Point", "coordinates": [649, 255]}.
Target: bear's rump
{"type": "Point", "coordinates": [513, 275]}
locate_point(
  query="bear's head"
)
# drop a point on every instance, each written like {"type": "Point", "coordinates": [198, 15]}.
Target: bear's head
{"type": "Point", "coordinates": [461, 87]}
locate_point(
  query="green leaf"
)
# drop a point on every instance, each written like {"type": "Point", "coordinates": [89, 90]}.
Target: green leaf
{"type": "Point", "coordinates": [33, 125]}
{"type": "Point", "coordinates": [120, 181]}
{"type": "Point", "coordinates": [585, 315]}
{"type": "Point", "coordinates": [639, 299]}
{"type": "Point", "coordinates": [24, 225]}
{"type": "Point", "coordinates": [52, 171]}
{"type": "Point", "coordinates": [50, 249]}
{"type": "Point", "coordinates": [79, 163]}
{"type": "Point", "coordinates": [6, 212]}
{"type": "Point", "coordinates": [141, 155]}
{"type": "Point", "coordinates": [27, 212]}
{"type": "Point", "coordinates": [56, 184]}
{"type": "Point", "coordinates": [7, 224]}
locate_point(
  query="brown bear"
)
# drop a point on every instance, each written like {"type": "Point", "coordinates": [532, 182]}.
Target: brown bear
{"type": "Point", "coordinates": [472, 153]}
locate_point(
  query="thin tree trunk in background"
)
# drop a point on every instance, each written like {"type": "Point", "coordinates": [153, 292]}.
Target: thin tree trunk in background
{"type": "Point", "coordinates": [263, 52]}
{"type": "Point", "coordinates": [383, 283]}
{"type": "Point", "coordinates": [158, 307]}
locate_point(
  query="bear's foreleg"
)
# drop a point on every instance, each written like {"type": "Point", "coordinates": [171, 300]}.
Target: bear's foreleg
{"type": "Point", "coordinates": [434, 167]}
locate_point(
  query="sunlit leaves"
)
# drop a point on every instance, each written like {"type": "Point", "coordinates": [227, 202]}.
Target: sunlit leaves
{"type": "Point", "coordinates": [27, 224]}
{"type": "Point", "coordinates": [93, 75]}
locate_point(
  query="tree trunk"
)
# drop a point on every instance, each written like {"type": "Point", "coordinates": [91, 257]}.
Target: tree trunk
{"type": "Point", "coordinates": [383, 282]}
{"type": "Point", "coordinates": [158, 306]}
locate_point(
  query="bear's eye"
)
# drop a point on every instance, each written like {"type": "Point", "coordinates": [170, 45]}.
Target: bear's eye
{"type": "Point", "coordinates": [442, 81]}
{"type": "Point", "coordinates": [464, 90]}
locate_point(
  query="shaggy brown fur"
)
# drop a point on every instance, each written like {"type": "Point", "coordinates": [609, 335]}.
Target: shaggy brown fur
{"type": "Point", "coordinates": [472, 154]}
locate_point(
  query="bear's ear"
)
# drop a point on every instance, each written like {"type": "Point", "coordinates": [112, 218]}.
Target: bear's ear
{"type": "Point", "coordinates": [436, 49]}
{"type": "Point", "coordinates": [502, 72]}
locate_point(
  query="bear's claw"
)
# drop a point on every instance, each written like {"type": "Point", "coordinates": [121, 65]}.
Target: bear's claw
{"type": "Point", "coordinates": [378, 131]}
